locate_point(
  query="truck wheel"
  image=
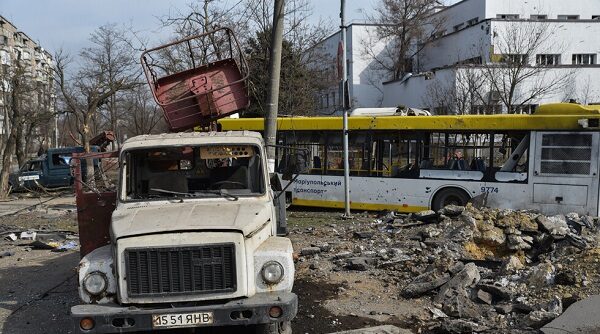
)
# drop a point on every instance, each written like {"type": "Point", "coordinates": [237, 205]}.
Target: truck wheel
{"type": "Point", "coordinates": [284, 327]}
{"type": "Point", "coordinates": [449, 196]}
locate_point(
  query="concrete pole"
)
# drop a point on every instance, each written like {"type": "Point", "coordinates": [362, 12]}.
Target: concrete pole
{"type": "Point", "coordinates": [274, 71]}
{"type": "Point", "coordinates": [343, 85]}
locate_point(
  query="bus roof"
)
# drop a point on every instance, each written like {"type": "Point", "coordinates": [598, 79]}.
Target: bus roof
{"type": "Point", "coordinates": [561, 116]}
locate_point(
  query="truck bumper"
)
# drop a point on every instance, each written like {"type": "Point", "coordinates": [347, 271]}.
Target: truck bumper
{"type": "Point", "coordinates": [113, 318]}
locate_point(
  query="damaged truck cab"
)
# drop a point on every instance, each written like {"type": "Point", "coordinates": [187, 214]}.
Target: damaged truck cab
{"type": "Point", "coordinates": [192, 241]}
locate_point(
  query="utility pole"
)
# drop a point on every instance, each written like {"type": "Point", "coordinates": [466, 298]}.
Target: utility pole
{"type": "Point", "coordinates": [274, 71]}
{"type": "Point", "coordinates": [345, 107]}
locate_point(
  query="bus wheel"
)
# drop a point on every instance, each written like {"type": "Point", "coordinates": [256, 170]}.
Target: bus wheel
{"type": "Point", "coordinates": [449, 196]}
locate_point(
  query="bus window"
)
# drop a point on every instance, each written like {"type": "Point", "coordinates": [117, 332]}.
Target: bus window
{"type": "Point", "coordinates": [313, 142]}
{"type": "Point", "coordinates": [568, 154]}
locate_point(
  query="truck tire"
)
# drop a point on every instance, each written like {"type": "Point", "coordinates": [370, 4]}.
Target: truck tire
{"type": "Point", "coordinates": [284, 327]}
{"type": "Point", "coordinates": [449, 196]}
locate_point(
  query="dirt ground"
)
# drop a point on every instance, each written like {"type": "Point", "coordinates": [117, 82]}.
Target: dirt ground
{"type": "Point", "coordinates": [38, 287]}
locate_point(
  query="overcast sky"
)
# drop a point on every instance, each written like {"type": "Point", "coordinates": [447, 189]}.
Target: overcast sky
{"type": "Point", "coordinates": [68, 23]}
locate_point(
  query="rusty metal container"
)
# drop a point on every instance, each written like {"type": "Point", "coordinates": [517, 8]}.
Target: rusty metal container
{"type": "Point", "coordinates": [198, 79]}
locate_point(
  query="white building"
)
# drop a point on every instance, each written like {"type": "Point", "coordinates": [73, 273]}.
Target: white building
{"type": "Point", "coordinates": [364, 76]}
{"type": "Point", "coordinates": [559, 41]}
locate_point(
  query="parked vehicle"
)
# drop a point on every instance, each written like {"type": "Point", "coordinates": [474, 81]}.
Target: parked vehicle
{"type": "Point", "coordinates": [188, 239]}
{"type": "Point", "coordinates": [546, 161]}
{"type": "Point", "coordinates": [50, 170]}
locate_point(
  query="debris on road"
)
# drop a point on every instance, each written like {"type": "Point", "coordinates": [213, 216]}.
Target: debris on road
{"type": "Point", "coordinates": [11, 237]}
{"type": "Point", "coordinates": [377, 330]}
{"type": "Point", "coordinates": [472, 269]}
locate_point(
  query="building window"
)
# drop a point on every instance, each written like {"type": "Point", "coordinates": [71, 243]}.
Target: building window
{"type": "Point", "coordinates": [584, 59]}
{"type": "Point", "coordinates": [514, 59]}
{"type": "Point", "coordinates": [507, 16]}
{"type": "Point", "coordinates": [458, 26]}
{"type": "Point", "coordinates": [547, 60]}
{"type": "Point", "coordinates": [486, 109]}
{"type": "Point", "coordinates": [3, 40]}
{"type": "Point", "coordinates": [523, 109]}
{"type": "Point", "coordinates": [539, 17]}
{"type": "Point", "coordinates": [473, 21]}
{"type": "Point", "coordinates": [595, 17]}
{"type": "Point", "coordinates": [568, 17]}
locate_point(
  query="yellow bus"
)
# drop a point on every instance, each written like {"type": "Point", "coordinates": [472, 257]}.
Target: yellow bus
{"type": "Point", "coordinates": [546, 161]}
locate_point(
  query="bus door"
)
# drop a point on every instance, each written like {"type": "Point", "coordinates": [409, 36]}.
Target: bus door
{"type": "Point", "coordinates": [565, 172]}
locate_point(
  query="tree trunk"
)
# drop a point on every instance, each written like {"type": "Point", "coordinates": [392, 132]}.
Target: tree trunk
{"type": "Point", "coordinates": [19, 144]}
{"type": "Point", "coordinates": [85, 140]}
{"type": "Point", "coordinates": [9, 150]}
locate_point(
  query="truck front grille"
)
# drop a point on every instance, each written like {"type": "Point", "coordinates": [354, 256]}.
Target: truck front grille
{"type": "Point", "coordinates": [181, 270]}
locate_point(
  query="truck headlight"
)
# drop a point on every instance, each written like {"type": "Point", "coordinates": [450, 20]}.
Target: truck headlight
{"type": "Point", "coordinates": [95, 283]}
{"type": "Point", "coordinates": [272, 272]}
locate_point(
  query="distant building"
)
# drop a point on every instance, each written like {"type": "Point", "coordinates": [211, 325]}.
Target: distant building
{"type": "Point", "coordinates": [364, 77]}
{"type": "Point", "coordinates": [16, 47]}
{"type": "Point", "coordinates": [484, 39]}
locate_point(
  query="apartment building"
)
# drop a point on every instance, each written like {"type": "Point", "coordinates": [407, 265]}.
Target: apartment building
{"type": "Point", "coordinates": [18, 50]}
{"type": "Point", "coordinates": [554, 43]}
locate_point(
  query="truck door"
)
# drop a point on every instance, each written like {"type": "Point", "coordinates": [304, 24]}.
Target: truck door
{"type": "Point", "coordinates": [565, 174]}
{"type": "Point", "coordinates": [59, 174]}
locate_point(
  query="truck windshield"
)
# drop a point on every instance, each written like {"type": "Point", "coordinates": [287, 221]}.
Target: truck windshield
{"type": "Point", "coordinates": [192, 171]}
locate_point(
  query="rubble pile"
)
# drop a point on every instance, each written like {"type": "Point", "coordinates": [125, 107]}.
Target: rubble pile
{"type": "Point", "coordinates": [480, 269]}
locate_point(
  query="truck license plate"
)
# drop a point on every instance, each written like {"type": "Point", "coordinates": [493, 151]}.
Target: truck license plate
{"type": "Point", "coordinates": [182, 319]}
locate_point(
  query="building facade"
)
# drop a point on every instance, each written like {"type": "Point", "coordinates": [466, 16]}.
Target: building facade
{"type": "Point", "coordinates": [365, 77]}
{"type": "Point", "coordinates": [21, 56]}
{"type": "Point", "coordinates": [505, 56]}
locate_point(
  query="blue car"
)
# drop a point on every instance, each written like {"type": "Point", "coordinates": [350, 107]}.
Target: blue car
{"type": "Point", "coordinates": [50, 170]}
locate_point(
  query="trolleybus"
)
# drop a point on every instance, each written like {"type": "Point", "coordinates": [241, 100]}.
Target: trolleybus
{"type": "Point", "coordinates": [546, 161]}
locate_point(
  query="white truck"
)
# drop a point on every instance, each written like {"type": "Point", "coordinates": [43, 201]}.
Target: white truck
{"type": "Point", "coordinates": [192, 241]}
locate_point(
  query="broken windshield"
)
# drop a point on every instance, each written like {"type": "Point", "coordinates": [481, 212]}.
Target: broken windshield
{"type": "Point", "coordinates": [199, 171]}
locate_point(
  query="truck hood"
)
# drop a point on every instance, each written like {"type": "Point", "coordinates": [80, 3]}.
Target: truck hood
{"type": "Point", "coordinates": [243, 216]}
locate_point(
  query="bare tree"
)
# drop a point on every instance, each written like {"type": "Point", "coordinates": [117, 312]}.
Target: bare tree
{"type": "Point", "coordinates": [407, 26]}
{"type": "Point", "coordinates": [464, 94]}
{"type": "Point", "coordinates": [105, 70]}
{"type": "Point", "coordinates": [17, 87]}
{"type": "Point", "coordinates": [520, 73]}
{"type": "Point", "coordinates": [143, 116]}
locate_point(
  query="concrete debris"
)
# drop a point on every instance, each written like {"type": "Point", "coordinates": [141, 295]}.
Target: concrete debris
{"type": "Point", "coordinates": [511, 265]}
{"type": "Point", "coordinates": [6, 254]}
{"type": "Point", "coordinates": [364, 235]}
{"type": "Point", "coordinates": [424, 283]}
{"type": "Point", "coordinates": [425, 216]}
{"type": "Point", "coordinates": [581, 317]}
{"type": "Point", "coordinates": [437, 313]}
{"type": "Point", "coordinates": [360, 263]}
{"type": "Point", "coordinates": [462, 326]}
{"type": "Point", "coordinates": [555, 225]}
{"type": "Point", "coordinates": [485, 297]}
{"type": "Point", "coordinates": [310, 251]}
{"type": "Point", "coordinates": [543, 274]}
{"type": "Point", "coordinates": [11, 237]}
{"type": "Point", "coordinates": [471, 269]}
{"type": "Point", "coordinates": [388, 329]}
{"type": "Point", "coordinates": [451, 210]}
{"type": "Point", "coordinates": [27, 235]}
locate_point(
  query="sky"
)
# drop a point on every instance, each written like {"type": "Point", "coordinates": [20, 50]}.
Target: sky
{"type": "Point", "coordinates": [67, 24]}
